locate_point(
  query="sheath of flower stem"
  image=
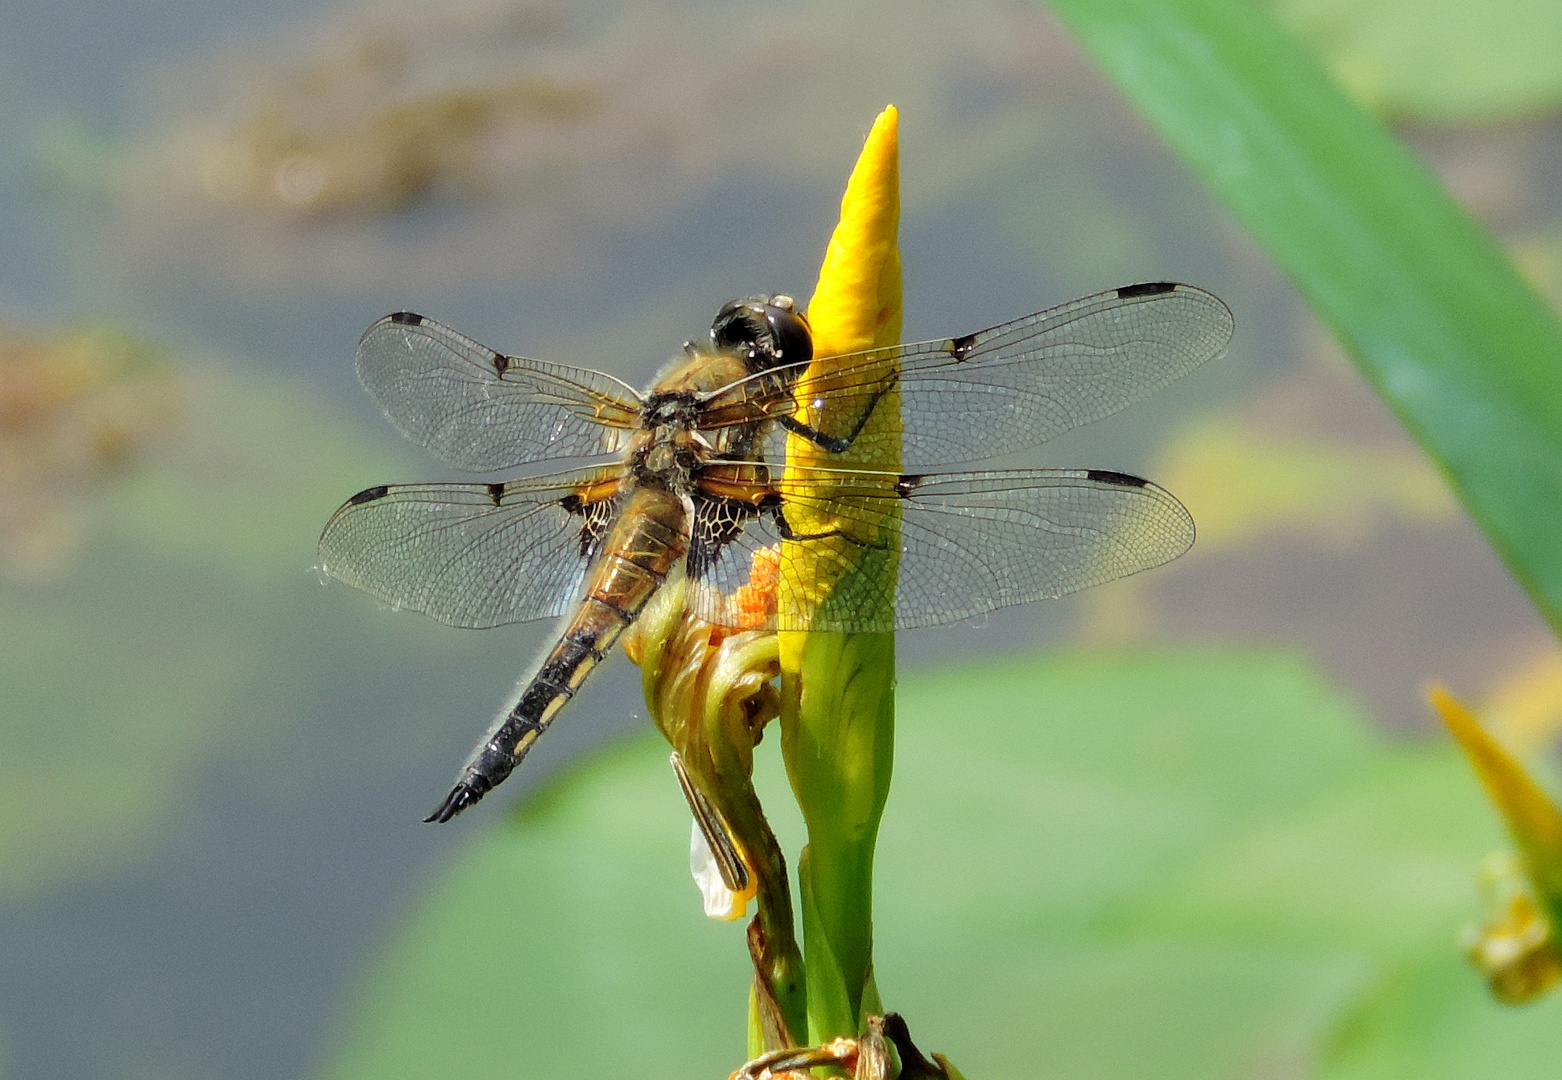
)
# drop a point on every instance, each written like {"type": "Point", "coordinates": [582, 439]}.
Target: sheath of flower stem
{"type": "Point", "coordinates": [837, 689]}
{"type": "Point", "coordinates": [709, 691]}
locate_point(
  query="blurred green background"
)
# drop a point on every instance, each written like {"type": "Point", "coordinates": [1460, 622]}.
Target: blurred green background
{"type": "Point", "coordinates": [1192, 824]}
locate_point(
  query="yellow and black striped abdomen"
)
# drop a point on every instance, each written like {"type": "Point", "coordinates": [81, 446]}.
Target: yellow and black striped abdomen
{"type": "Point", "coordinates": [640, 549]}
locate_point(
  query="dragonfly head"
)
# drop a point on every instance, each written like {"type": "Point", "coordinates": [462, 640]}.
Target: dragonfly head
{"type": "Point", "coordinates": [768, 331]}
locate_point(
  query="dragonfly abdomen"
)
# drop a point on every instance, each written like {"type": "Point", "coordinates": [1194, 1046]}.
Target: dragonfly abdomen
{"type": "Point", "coordinates": [641, 548]}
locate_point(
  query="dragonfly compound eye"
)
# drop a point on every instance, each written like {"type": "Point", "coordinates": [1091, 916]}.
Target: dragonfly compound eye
{"type": "Point", "coordinates": [770, 331]}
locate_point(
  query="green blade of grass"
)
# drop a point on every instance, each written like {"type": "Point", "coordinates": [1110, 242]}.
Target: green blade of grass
{"type": "Point", "coordinates": [1419, 294]}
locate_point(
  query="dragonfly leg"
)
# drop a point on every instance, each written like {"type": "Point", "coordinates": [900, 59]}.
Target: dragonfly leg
{"type": "Point", "coordinates": [837, 444]}
{"type": "Point", "coordinates": [786, 532]}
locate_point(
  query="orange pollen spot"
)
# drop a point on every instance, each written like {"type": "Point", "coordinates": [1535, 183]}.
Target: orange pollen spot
{"type": "Point", "coordinates": [755, 602]}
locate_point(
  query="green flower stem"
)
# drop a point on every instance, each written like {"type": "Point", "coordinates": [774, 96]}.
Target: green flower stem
{"type": "Point", "coordinates": [837, 737]}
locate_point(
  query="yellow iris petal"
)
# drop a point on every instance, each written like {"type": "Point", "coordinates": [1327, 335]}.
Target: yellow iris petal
{"type": "Point", "coordinates": [1516, 948]}
{"type": "Point", "coordinates": [856, 305]}
{"type": "Point", "coordinates": [1532, 818]}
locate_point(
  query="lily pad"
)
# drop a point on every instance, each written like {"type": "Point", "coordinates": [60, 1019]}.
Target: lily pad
{"type": "Point", "coordinates": [1161, 863]}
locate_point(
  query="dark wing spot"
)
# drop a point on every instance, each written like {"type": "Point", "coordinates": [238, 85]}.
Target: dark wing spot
{"type": "Point", "coordinates": [717, 523]}
{"type": "Point", "coordinates": [1117, 479]}
{"type": "Point", "coordinates": [501, 363]}
{"type": "Point", "coordinates": [595, 519]}
{"type": "Point", "coordinates": [595, 530]}
{"type": "Point", "coordinates": [959, 346]}
{"type": "Point", "coordinates": [908, 484]}
{"type": "Point", "coordinates": [496, 493]}
{"type": "Point", "coordinates": [406, 318]}
{"type": "Point", "coordinates": [1148, 288]}
{"type": "Point", "coordinates": [368, 495]}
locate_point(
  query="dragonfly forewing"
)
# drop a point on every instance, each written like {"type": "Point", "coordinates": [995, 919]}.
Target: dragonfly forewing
{"type": "Point", "coordinates": [483, 411]}
{"type": "Point", "coordinates": [1010, 387]}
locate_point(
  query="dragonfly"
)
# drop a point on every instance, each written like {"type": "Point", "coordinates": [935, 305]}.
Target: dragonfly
{"type": "Point", "coordinates": [694, 481]}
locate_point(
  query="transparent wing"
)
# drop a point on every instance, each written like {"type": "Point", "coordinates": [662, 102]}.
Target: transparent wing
{"type": "Point", "coordinates": [1006, 388]}
{"type": "Point", "coordinates": [473, 555]}
{"type": "Point", "coordinates": [968, 543]}
{"type": "Point", "coordinates": [482, 411]}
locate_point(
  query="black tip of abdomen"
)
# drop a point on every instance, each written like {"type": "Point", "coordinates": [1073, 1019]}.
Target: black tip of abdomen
{"type": "Point", "coordinates": [461, 796]}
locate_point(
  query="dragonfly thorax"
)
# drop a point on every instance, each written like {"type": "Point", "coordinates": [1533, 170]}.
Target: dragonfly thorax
{"type": "Point", "coordinates": [666, 456]}
{"type": "Point", "coordinates": [669, 409]}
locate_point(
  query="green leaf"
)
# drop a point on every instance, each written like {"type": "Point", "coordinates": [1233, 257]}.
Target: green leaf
{"type": "Point", "coordinates": [1168, 864]}
{"type": "Point", "coordinates": [1423, 299]}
